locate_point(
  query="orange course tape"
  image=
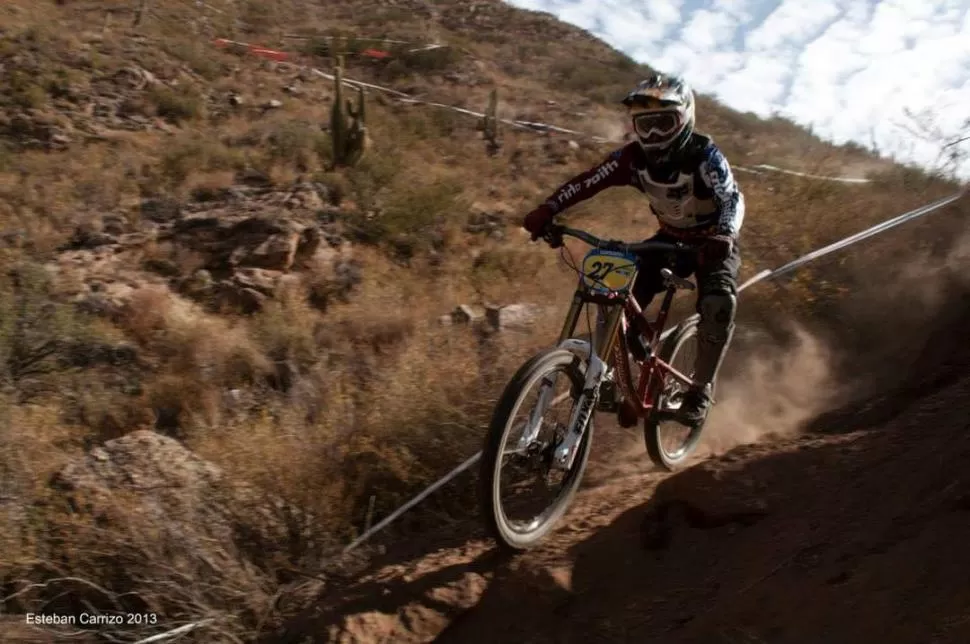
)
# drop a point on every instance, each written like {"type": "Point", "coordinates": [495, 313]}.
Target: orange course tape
{"type": "Point", "coordinates": [282, 56]}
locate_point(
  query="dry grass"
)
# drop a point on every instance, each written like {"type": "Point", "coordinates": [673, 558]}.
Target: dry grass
{"type": "Point", "coordinates": [327, 402]}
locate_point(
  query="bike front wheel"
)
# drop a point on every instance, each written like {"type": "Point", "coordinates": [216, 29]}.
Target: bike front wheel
{"type": "Point", "coordinates": [670, 444]}
{"type": "Point", "coordinates": [528, 424]}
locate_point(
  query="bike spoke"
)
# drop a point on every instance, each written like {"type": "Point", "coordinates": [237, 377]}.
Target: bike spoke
{"type": "Point", "coordinates": [529, 485]}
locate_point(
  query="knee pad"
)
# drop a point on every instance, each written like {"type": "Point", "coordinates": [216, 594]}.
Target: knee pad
{"type": "Point", "coordinates": [717, 317]}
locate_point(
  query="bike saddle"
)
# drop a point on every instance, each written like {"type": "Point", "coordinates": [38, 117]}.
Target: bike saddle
{"type": "Point", "coordinates": [677, 282]}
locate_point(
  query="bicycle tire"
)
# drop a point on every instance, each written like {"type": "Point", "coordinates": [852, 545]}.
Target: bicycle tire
{"type": "Point", "coordinates": [488, 490]}
{"type": "Point", "coordinates": [651, 424]}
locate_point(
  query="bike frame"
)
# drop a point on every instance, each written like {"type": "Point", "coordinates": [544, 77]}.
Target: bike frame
{"type": "Point", "coordinates": [622, 312]}
{"type": "Point", "coordinates": [600, 349]}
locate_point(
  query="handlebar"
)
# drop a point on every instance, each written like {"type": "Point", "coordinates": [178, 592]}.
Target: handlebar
{"type": "Point", "coordinates": [556, 232]}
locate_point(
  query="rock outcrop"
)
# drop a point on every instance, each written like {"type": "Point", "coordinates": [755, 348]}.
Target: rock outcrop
{"type": "Point", "coordinates": [161, 517]}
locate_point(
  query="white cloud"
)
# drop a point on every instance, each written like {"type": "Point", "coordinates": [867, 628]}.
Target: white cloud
{"type": "Point", "coordinates": [848, 68]}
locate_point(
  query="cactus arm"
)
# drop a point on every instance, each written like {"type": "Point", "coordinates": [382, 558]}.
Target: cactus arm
{"type": "Point", "coordinates": [348, 129]}
{"type": "Point", "coordinates": [338, 120]}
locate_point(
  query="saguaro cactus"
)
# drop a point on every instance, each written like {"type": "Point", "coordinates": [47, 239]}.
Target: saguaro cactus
{"type": "Point", "coordinates": [490, 125]}
{"type": "Point", "coordinates": [348, 130]}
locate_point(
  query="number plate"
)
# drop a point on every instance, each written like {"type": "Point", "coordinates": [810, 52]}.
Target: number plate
{"type": "Point", "coordinates": [608, 271]}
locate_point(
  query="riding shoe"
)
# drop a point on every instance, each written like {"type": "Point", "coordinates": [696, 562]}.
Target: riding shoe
{"type": "Point", "coordinates": [696, 404]}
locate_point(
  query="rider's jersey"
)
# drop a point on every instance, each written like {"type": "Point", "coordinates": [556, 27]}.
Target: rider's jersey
{"type": "Point", "coordinates": [699, 192]}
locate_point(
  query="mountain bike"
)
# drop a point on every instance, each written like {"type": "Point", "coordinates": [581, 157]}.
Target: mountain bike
{"type": "Point", "coordinates": [587, 373]}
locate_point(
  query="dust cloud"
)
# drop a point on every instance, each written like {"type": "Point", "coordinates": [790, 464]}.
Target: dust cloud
{"type": "Point", "coordinates": [776, 390]}
{"type": "Point", "coordinates": [773, 392]}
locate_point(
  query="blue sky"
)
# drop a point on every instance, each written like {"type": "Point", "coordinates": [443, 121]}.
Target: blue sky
{"type": "Point", "coordinates": [848, 68]}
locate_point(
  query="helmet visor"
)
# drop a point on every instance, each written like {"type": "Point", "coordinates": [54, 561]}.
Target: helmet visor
{"type": "Point", "coordinates": [657, 127]}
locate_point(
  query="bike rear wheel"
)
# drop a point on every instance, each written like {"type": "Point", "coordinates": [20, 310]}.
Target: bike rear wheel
{"type": "Point", "coordinates": [670, 444]}
{"type": "Point", "coordinates": [521, 523]}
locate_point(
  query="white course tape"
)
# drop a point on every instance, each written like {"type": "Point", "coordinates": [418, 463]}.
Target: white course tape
{"type": "Point", "coordinates": [529, 125]}
{"type": "Point", "coordinates": [413, 502]}
{"type": "Point", "coordinates": [181, 630]}
{"type": "Point", "coordinates": [763, 275]}
{"type": "Point", "coordinates": [765, 166]}
{"type": "Point", "coordinates": [761, 167]}
{"type": "Point", "coordinates": [848, 241]}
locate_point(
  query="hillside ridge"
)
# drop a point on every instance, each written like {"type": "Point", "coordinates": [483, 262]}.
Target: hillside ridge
{"type": "Point", "coordinates": [216, 342]}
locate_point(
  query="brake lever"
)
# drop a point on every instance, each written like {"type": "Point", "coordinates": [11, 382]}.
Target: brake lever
{"type": "Point", "coordinates": [553, 236]}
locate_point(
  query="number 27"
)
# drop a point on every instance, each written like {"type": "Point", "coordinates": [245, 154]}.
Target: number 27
{"type": "Point", "coordinates": [601, 270]}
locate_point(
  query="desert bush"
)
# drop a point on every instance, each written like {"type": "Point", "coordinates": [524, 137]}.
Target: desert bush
{"type": "Point", "coordinates": [300, 144]}
{"type": "Point", "coordinates": [411, 218]}
{"type": "Point", "coordinates": [200, 357]}
{"type": "Point", "coordinates": [23, 91]}
{"type": "Point", "coordinates": [337, 43]}
{"type": "Point", "coordinates": [176, 106]}
{"type": "Point", "coordinates": [37, 332]}
{"type": "Point", "coordinates": [200, 57]}
{"type": "Point", "coordinates": [191, 154]}
{"type": "Point", "coordinates": [405, 61]}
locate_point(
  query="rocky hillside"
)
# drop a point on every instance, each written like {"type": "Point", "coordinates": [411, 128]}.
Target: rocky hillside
{"type": "Point", "coordinates": [203, 321]}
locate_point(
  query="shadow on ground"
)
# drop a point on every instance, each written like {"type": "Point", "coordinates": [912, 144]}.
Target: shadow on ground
{"type": "Point", "coordinates": [837, 538]}
{"type": "Point", "coordinates": [853, 532]}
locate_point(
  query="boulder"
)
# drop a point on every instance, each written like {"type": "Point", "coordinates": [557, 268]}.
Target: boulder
{"type": "Point", "coordinates": [159, 515]}
{"type": "Point", "coordinates": [276, 244]}
{"type": "Point", "coordinates": [512, 316]}
{"type": "Point", "coordinates": [161, 210]}
{"type": "Point", "coordinates": [467, 314]}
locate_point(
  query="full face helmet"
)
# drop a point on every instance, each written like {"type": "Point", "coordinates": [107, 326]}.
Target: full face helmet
{"type": "Point", "coordinates": [661, 109]}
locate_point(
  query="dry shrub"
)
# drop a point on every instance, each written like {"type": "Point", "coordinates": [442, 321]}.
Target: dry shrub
{"type": "Point", "coordinates": [191, 154]}
{"type": "Point", "coordinates": [295, 143]}
{"type": "Point", "coordinates": [33, 444]}
{"type": "Point", "coordinates": [201, 356]}
{"type": "Point", "coordinates": [368, 399]}
{"type": "Point", "coordinates": [176, 106]}
{"type": "Point", "coordinates": [137, 530]}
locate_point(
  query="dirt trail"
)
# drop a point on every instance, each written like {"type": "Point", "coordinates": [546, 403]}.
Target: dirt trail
{"type": "Point", "coordinates": [854, 531]}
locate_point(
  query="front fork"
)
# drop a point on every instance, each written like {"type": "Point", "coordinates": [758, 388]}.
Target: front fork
{"type": "Point", "coordinates": [548, 385]}
{"type": "Point", "coordinates": [601, 344]}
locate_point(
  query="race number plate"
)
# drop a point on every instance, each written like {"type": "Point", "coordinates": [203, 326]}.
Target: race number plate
{"type": "Point", "coordinates": [608, 271]}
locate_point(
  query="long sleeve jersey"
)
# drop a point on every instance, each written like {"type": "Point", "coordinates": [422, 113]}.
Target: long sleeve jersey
{"type": "Point", "coordinates": [698, 193]}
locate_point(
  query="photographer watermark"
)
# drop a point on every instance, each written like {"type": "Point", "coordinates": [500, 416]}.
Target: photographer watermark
{"type": "Point", "coordinates": [92, 619]}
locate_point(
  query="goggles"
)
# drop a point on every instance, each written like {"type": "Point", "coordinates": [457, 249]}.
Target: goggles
{"type": "Point", "coordinates": [657, 127]}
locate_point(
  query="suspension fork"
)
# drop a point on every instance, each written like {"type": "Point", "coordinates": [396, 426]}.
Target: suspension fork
{"type": "Point", "coordinates": [548, 384]}
{"type": "Point", "coordinates": [600, 345]}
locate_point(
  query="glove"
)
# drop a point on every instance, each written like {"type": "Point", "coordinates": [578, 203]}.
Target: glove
{"type": "Point", "coordinates": [537, 220]}
{"type": "Point", "coordinates": [716, 249]}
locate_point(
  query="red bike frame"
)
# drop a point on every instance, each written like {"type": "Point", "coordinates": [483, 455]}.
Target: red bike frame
{"type": "Point", "coordinates": [653, 370]}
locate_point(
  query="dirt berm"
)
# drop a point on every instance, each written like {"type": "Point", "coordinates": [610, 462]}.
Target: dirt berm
{"type": "Point", "coordinates": [854, 531]}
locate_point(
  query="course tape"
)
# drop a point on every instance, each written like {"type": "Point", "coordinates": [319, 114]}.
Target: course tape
{"type": "Point", "coordinates": [413, 502]}
{"type": "Point", "coordinates": [533, 126]}
{"type": "Point", "coordinates": [181, 630]}
{"type": "Point", "coordinates": [759, 277]}
{"type": "Point", "coordinates": [848, 241]}
{"type": "Point", "coordinates": [758, 169]}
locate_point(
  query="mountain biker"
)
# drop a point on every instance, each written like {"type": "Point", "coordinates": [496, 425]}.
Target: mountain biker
{"type": "Point", "coordinates": [692, 192]}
